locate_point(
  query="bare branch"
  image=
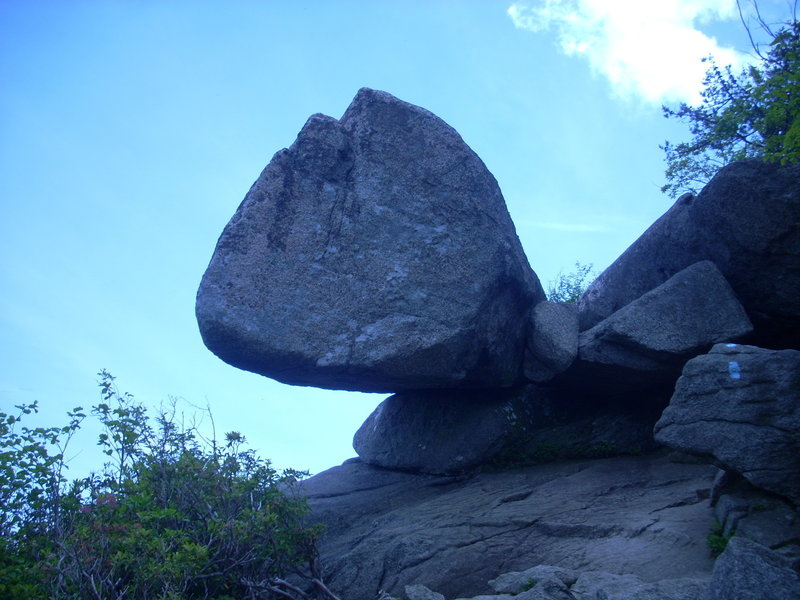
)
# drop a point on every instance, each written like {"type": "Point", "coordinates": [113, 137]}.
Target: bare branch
{"type": "Point", "coordinates": [324, 589]}
{"type": "Point", "coordinates": [746, 26]}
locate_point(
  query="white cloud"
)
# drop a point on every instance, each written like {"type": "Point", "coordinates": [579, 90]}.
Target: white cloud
{"type": "Point", "coordinates": [652, 50]}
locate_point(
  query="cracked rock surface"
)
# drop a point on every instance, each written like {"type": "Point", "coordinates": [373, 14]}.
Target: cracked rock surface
{"type": "Point", "coordinates": [643, 516]}
{"type": "Point", "coordinates": [375, 254]}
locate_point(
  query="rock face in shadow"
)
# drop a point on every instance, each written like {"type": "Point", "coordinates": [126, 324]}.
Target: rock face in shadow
{"type": "Point", "coordinates": [746, 221]}
{"type": "Point", "coordinates": [437, 431]}
{"type": "Point", "coordinates": [375, 254]}
{"type": "Point", "coordinates": [452, 431]}
{"type": "Point", "coordinates": [642, 516]}
{"type": "Point", "coordinates": [740, 405]}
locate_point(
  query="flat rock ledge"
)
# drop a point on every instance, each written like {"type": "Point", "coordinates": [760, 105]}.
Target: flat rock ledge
{"type": "Point", "coordinates": [644, 517]}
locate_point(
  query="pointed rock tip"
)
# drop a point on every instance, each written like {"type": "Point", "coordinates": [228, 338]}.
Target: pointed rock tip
{"type": "Point", "coordinates": [316, 121]}
{"type": "Point", "coordinates": [368, 100]}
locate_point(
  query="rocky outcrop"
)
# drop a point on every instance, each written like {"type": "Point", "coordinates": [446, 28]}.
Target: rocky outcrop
{"type": "Point", "coordinates": [643, 516]}
{"type": "Point", "coordinates": [552, 341]}
{"type": "Point", "coordinates": [746, 221]}
{"type": "Point", "coordinates": [740, 406]}
{"type": "Point", "coordinates": [646, 343]}
{"type": "Point", "coordinates": [632, 358]}
{"type": "Point", "coordinates": [375, 254]}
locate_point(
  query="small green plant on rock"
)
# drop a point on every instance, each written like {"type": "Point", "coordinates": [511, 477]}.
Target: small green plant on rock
{"type": "Point", "coordinates": [717, 541]}
{"type": "Point", "coordinates": [529, 584]}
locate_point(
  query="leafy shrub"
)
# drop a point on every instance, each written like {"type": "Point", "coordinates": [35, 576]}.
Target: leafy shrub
{"type": "Point", "coordinates": [171, 516]}
{"type": "Point", "coordinates": [571, 286]}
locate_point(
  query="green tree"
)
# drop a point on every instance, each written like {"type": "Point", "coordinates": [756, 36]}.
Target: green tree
{"type": "Point", "coordinates": [755, 114]}
{"type": "Point", "coordinates": [171, 515]}
{"type": "Point", "coordinates": [570, 287]}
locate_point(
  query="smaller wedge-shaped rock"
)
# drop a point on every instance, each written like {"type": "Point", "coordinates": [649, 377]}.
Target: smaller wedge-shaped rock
{"type": "Point", "coordinates": [648, 341]}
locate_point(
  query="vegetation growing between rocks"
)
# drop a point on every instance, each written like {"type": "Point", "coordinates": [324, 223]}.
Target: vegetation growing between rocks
{"type": "Point", "coordinates": [717, 541]}
{"type": "Point", "coordinates": [171, 515]}
{"type": "Point", "coordinates": [569, 287]}
{"type": "Point", "coordinates": [529, 585]}
{"type": "Point", "coordinates": [755, 114]}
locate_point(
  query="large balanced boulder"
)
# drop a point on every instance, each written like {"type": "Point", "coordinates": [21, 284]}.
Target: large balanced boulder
{"type": "Point", "coordinates": [647, 342]}
{"type": "Point", "coordinates": [747, 221]}
{"type": "Point", "coordinates": [375, 254]}
{"type": "Point", "coordinates": [740, 406]}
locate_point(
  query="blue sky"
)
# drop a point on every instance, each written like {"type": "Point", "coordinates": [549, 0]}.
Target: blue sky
{"type": "Point", "coordinates": [131, 130]}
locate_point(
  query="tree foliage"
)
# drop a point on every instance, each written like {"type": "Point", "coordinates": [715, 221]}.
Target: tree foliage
{"type": "Point", "coordinates": [171, 516]}
{"type": "Point", "coordinates": [753, 114]}
{"type": "Point", "coordinates": [570, 287]}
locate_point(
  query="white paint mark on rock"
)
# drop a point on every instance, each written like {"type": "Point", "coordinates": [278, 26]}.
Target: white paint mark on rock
{"type": "Point", "coordinates": [733, 370]}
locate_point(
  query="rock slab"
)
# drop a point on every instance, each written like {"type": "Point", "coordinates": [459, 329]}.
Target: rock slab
{"type": "Point", "coordinates": [642, 516]}
{"type": "Point", "coordinates": [375, 254]}
{"type": "Point", "coordinates": [740, 405]}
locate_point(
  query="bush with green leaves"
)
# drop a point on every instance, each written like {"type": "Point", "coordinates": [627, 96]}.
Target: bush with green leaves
{"type": "Point", "coordinates": [172, 515]}
{"type": "Point", "coordinates": [753, 114]}
{"type": "Point", "coordinates": [570, 287]}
